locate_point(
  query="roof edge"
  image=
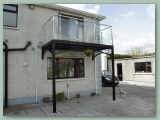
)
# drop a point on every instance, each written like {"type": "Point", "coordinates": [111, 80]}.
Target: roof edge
{"type": "Point", "coordinates": [153, 56]}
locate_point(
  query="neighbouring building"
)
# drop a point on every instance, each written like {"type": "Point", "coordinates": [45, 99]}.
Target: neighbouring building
{"type": "Point", "coordinates": [51, 31]}
{"type": "Point", "coordinates": [140, 69]}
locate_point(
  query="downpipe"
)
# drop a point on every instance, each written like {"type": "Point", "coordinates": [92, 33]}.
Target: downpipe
{"type": "Point", "coordinates": [95, 58]}
{"type": "Point", "coordinates": [36, 70]}
{"type": "Point", "coordinates": [36, 73]}
{"type": "Point", "coordinates": [28, 43]}
{"type": "Point", "coordinates": [6, 74]}
{"type": "Point", "coordinates": [95, 75]}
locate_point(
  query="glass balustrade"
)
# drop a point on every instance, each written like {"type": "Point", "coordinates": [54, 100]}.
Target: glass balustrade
{"type": "Point", "coordinates": [61, 27]}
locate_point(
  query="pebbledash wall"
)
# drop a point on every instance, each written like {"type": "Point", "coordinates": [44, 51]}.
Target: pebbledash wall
{"type": "Point", "coordinates": [128, 69]}
{"type": "Point", "coordinates": [22, 80]}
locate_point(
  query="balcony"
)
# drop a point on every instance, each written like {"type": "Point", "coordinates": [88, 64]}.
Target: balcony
{"type": "Point", "coordinates": [62, 33]}
{"type": "Point", "coordinates": [60, 27]}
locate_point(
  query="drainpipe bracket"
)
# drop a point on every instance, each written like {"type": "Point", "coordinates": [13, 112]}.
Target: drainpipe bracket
{"type": "Point", "coordinates": [29, 42]}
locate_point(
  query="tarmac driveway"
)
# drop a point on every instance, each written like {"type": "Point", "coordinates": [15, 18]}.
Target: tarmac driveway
{"type": "Point", "coordinates": [140, 101]}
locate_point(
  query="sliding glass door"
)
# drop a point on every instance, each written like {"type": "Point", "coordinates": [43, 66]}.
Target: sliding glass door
{"type": "Point", "coordinates": [71, 29]}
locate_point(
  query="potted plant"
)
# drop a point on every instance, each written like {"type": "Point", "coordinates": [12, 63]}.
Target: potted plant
{"type": "Point", "coordinates": [60, 96]}
{"type": "Point", "coordinates": [46, 99]}
{"type": "Point", "coordinates": [78, 95]}
{"type": "Point", "coordinates": [88, 52]}
{"type": "Point", "coordinates": [93, 94]}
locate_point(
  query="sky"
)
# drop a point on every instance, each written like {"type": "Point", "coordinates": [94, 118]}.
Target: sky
{"type": "Point", "coordinates": [132, 24]}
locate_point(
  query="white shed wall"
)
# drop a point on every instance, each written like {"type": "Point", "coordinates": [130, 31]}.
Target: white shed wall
{"type": "Point", "coordinates": [128, 70]}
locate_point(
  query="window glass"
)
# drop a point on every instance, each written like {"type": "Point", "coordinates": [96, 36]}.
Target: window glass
{"type": "Point", "coordinates": [105, 72]}
{"type": "Point", "coordinates": [80, 61]}
{"type": "Point", "coordinates": [143, 67]}
{"type": "Point", "coordinates": [66, 68]}
{"type": "Point", "coordinates": [73, 26]}
{"type": "Point", "coordinates": [65, 28]}
{"type": "Point", "coordinates": [9, 19]}
{"type": "Point", "coordinates": [79, 70]}
{"type": "Point", "coordinates": [49, 68]}
{"type": "Point", "coordinates": [80, 30]}
{"type": "Point", "coordinates": [8, 7]}
{"type": "Point", "coordinates": [10, 13]}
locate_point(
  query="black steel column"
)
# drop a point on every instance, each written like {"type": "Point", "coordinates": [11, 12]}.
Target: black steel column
{"type": "Point", "coordinates": [53, 78]}
{"type": "Point", "coordinates": [113, 77]}
{"type": "Point", "coordinates": [6, 74]}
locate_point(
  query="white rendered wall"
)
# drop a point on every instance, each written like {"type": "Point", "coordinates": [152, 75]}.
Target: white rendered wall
{"type": "Point", "coordinates": [21, 80]}
{"type": "Point", "coordinates": [128, 70]}
{"type": "Point", "coordinates": [104, 61]}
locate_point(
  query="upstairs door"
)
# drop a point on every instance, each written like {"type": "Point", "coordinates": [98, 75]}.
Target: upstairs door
{"type": "Point", "coordinates": [71, 29]}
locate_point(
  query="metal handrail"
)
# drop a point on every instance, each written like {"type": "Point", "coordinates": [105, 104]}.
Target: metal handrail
{"type": "Point", "coordinates": [48, 20]}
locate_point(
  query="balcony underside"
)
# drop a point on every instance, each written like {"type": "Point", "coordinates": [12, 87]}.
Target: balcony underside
{"type": "Point", "coordinates": [74, 46]}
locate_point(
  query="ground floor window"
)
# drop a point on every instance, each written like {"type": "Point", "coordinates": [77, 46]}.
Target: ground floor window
{"type": "Point", "coordinates": [66, 68]}
{"type": "Point", "coordinates": [143, 67]}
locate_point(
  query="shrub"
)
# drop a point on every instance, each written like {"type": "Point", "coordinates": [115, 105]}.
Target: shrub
{"type": "Point", "coordinates": [88, 51]}
{"type": "Point", "coordinates": [120, 56]}
{"type": "Point", "coordinates": [60, 96]}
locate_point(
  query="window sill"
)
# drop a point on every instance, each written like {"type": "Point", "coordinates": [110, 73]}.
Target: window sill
{"type": "Point", "coordinates": [10, 28]}
{"type": "Point", "coordinates": [67, 79]}
{"type": "Point", "coordinates": [143, 74]}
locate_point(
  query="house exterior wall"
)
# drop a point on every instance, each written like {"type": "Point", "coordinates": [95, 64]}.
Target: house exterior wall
{"type": "Point", "coordinates": [104, 61]}
{"type": "Point", "coordinates": [22, 80]}
{"type": "Point", "coordinates": [128, 69]}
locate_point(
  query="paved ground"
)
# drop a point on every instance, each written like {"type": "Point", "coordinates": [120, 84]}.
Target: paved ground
{"type": "Point", "coordinates": [140, 101]}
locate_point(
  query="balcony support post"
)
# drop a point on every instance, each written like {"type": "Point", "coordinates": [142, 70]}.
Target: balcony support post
{"type": "Point", "coordinates": [113, 76]}
{"type": "Point", "coordinates": [53, 78]}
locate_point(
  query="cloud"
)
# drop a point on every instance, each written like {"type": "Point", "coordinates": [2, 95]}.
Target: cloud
{"type": "Point", "coordinates": [147, 43]}
{"type": "Point", "coordinates": [151, 10]}
{"type": "Point", "coordinates": [115, 20]}
{"type": "Point", "coordinates": [128, 14]}
{"type": "Point", "coordinates": [85, 7]}
{"type": "Point", "coordinates": [128, 43]}
{"type": "Point", "coordinates": [140, 41]}
{"type": "Point", "coordinates": [152, 37]}
{"type": "Point", "coordinates": [152, 27]}
{"type": "Point", "coordinates": [95, 9]}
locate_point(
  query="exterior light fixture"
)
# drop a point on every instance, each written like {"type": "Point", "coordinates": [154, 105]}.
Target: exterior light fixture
{"type": "Point", "coordinates": [25, 64]}
{"type": "Point", "coordinates": [31, 7]}
{"type": "Point", "coordinates": [6, 41]}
